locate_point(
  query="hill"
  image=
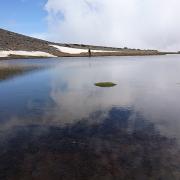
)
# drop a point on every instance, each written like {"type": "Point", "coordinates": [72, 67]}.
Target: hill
{"type": "Point", "coordinates": [14, 45]}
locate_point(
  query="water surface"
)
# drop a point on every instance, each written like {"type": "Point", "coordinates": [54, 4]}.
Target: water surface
{"type": "Point", "coordinates": [55, 124]}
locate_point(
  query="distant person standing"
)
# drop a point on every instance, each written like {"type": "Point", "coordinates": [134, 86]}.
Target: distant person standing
{"type": "Point", "coordinates": [89, 51]}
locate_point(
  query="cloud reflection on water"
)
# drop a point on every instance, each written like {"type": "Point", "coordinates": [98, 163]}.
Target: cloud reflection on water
{"type": "Point", "coordinates": [148, 85]}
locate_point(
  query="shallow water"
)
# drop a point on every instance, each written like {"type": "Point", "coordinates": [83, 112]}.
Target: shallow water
{"type": "Point", "coordinates": [55, 124]}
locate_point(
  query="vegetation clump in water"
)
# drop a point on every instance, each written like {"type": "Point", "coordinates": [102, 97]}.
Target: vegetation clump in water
{"type": "Point", "coordinates": [8, 72]}
{"type": "Point", "coordinates": [105, 84]}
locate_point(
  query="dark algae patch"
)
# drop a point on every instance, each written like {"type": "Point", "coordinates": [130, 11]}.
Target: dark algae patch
{"type": "Point", "coordinates": [105, 84]}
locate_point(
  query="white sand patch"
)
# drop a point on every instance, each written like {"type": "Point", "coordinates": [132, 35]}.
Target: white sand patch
{"type": "Point", "coordinates": [25, 53]}
{"type": "Point", "coordinates": [77, 50]}
{"type": "Point", "coordinates": [70, 50]}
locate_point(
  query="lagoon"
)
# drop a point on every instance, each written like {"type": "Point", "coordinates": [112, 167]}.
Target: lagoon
{"type": "Point", "coordinates": [55, 124]}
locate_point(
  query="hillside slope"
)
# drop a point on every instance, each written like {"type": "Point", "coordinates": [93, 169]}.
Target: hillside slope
{"type": "Point", "coordinates": [16, 45]}
{"type": "Point", "coordinates": [17, 42]}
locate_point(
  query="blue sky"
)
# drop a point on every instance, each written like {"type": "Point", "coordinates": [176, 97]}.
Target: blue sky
{"type": "Point", "coordinates": [23, 16]}
{"type": "Point", "coordinates": [148, 24]}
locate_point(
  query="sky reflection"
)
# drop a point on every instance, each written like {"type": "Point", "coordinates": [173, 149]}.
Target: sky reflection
{"type": "Point", "coordinates": [66, 93]}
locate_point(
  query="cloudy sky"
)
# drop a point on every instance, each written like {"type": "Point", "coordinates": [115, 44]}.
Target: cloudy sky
{"type": "Point", "coordinates": [144, 24]}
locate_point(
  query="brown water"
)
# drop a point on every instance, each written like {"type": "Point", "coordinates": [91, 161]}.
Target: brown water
{"type": "Point", "coordinates": [55, 124]}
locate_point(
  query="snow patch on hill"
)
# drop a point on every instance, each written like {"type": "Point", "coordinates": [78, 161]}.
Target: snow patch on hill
{"type": "Point", "coordinates": [70, 50]}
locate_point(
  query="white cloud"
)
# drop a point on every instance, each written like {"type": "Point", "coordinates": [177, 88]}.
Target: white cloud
{"type": "Point", "coordinates": [132, 23]}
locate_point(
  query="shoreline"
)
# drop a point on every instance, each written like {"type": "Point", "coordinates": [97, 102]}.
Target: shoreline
{"type": "Point", "coordinates": [116, 54]}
